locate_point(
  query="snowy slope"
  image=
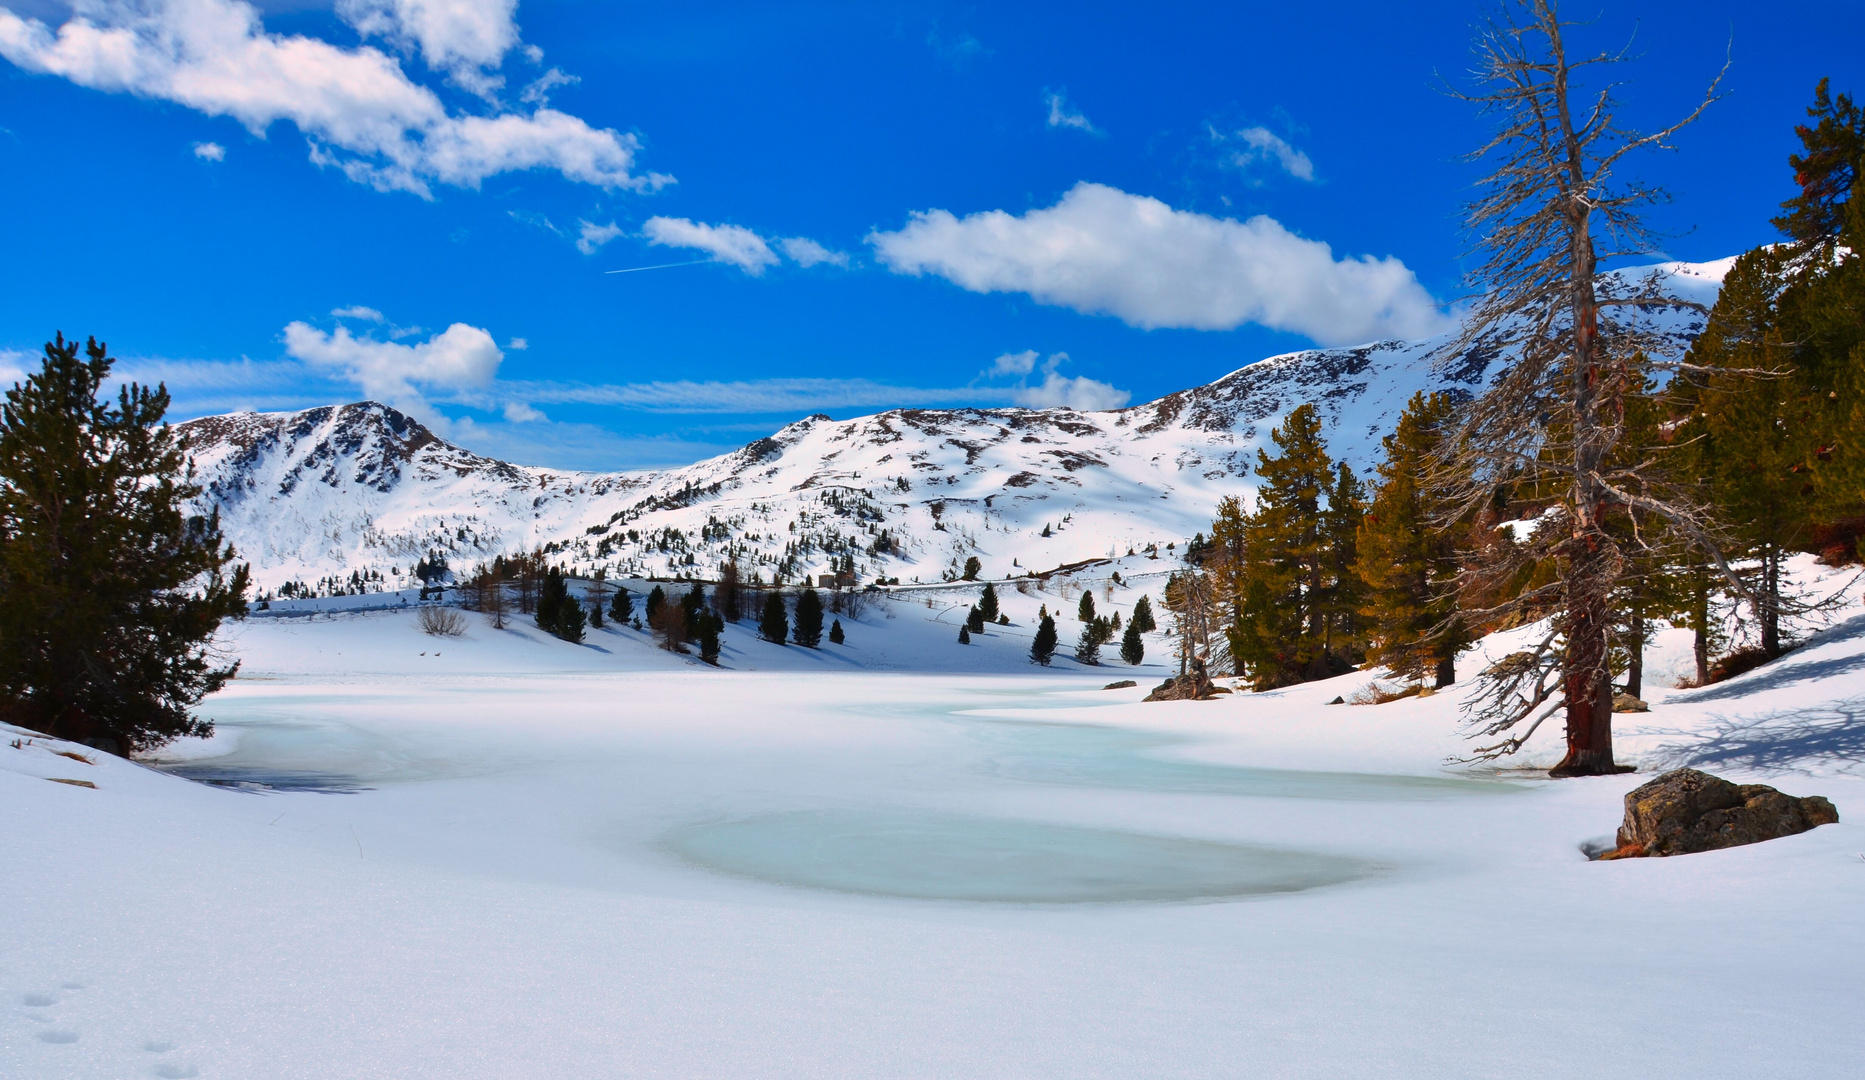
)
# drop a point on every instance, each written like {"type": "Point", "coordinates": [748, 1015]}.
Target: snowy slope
{"type": "Point", "coordinates": [912, 493]}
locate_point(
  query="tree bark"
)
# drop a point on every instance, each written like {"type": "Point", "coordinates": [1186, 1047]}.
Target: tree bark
{"type": "Point", "coordinates": [1635, 654]}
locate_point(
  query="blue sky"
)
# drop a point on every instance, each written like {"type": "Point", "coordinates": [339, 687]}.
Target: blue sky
{"type": "Point", "coordinates": [896, 204]}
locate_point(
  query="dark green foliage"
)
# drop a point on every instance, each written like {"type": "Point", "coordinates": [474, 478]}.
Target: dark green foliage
{"type": "Point", "coordinates": [110, 592]}
{"type": "Point", "coordinates": [1043, 647]}
{"type": "Point", "coordinates": [988, 603]}
{"type": "Point", "coordinates": [707, 635]}
{"type": "Point", "coordinates": [808, 630]}
{"type": "Point", "coordinates": [1829, 169]}
{"type": "Point", "coordinates": [1143, 615]}
{"type": "Point", "coordinates": [1085, 610]}
{"type": "Point", "coordinates": [973, 568]}
{"type": "Point", "coordinates": [1088, 647]}
{"type": "Point", "coordinates": [657, 596]}
{"type": "Point", "coordinates": [1286, 593]}
{"type": "Point", "coordinates": [621, 606]}
{"type": "Point", "coordinates": [693, 610]}
{"type": "Point", "coordinates": [1132, 648]}
{"type": "Point", "coordinates": [774, 625]}
{"type": "Point", "coordinates": [964, 635]}
{"type": "Point", "coordinates": [836, 636]}
{"type": "Point", "coordinates": [974, 621]}
{"type": "Point", "coordinates": [595, 614]}
{"type": "Point", "coordinates": [557, 613]}
{"type": "Point", "coordinates": [1407, 559]}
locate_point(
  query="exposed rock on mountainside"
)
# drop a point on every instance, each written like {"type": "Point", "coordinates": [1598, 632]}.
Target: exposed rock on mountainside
{"type": "Point", "coordinates": [360, 492]}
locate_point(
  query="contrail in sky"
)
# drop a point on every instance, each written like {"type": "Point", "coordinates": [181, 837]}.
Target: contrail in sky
{"type": "Point", "coordinates": [662, 266]}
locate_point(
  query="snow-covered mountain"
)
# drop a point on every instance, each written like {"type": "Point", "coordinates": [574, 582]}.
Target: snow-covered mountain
{"type": "Point", "coordinates": [911, 493]}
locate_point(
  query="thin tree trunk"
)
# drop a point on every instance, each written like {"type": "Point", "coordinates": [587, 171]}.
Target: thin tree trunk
{"type": "Point", "coordinates": [1700, 624]}
{"type": "Point", "coordinates": [1635, 653]}
{"type": "Point", "coordinates": [1447, 671]}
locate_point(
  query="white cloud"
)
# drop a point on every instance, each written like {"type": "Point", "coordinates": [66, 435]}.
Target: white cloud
{"type": "Point", "coordinates": [1061, 114]}
{"type": "Point", "coordinates": [1060, 392]}
{"type": "Point", "coordinates": [591, 236]}
{"type": "Point", "coordinates": [357, 108]}
{"type": "Point", "coordinates": [1262, 144]}
{"type": "Point", "coordinates": [732, 244]}
{"type": "Point", "coordinates": [451, 34]}
{"type": "Point", "coordinates": [520, 413]}
{"type": "Point", "coordinates": [458, 358]}
{"type": "Point", "coordinates": [518, 344]}
{"type": "Point", "coordinates": [358, 311]}
{"type": "Point", "coordinates": [1101, 250]}
{"type": "Point", "coordinates": [537, 92]}
{"type": "Point", "coordinates": [806, 252]}
{"type": "Point", "coordinates": [1021, 363]}
{"type": "Point", "coordinates": [210, 151]}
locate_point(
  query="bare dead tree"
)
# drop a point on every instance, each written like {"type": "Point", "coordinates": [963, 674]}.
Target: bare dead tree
{"type": "Point", "coordinates": [1551, 428]}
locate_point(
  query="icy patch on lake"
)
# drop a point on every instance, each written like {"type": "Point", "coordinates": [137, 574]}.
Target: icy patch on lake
{"type": "Point", "coordinates": [931, 856]}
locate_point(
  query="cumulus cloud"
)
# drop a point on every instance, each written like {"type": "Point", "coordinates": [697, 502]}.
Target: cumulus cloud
{"type": "Point", "coordinates": [1100, 250]}
{"type": "Point", "coordinates": [358, 311]}
{"type": "Point", "coordinates": [1061, 114]}
{"type": "Point", "coordinates": [210, 151]}
{"type": "Point", "coordinates": [519, 412]}
{"type": "Point", "coordinates": [591, 236]}
{"type": "Point", "coordinates": [458, 358]}
{"type": "Point", "coordinates": [1019, 363]}
{"type": "Point", "coordinates": [357, 108]}
{"type": "Point", "coordinates": [1261, 144]}
{"type": "Point", "coordinates": [1060, 392]}
{"type": "Point", "coordinates": [806, 252]}
{"type": "Point", "coordinates": [733, 244]}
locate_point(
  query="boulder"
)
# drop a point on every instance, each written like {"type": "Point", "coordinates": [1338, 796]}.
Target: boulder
{"type": "Point", "coordinates": [1685, 811]}
{"type": "Point", "coordinates": [1121, 685]}
{"type": "Point", "coordinates": [1628, 703]}
{"type": "Point", "coordinates": [1194, 685]}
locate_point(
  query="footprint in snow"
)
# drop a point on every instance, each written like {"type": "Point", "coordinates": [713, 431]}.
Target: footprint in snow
{"type": "Point", "coordinates": [56, 1035]}
{"type": "Point", "coordinates": [38, 1001]}
{"type": "Point", "coordinates": [176, 1072]}
{"type": "Point", "coordinates": [158, 1046]}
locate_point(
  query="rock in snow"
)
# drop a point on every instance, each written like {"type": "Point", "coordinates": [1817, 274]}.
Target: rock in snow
{"type": "Point", "coordinates": [1686, 811]}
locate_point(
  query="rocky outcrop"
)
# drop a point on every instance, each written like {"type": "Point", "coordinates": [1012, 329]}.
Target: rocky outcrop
{"type": "Point", "coordinates": [1686, 811]}
{"type": "Point", "coordinates": [1194, 685]}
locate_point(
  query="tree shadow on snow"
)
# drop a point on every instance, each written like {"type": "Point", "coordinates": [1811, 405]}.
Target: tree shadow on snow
{"type": "Point", "coordinates": [1832, 734]}
{"type": "Point", "coordinates": [1779, 674]}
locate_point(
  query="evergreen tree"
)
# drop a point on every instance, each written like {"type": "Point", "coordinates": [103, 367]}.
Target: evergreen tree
{"type": "Point", "coordinates": [836, 636]}
{"type": "Point", "coordinates": [1043, 647]}
{"type": "Point", "coordinates": [1407, 557]}
{"type": "Point", "coordinates": [808, 630]}
{"type": "Point", "coordinates": [657, 598]}
{"type": "Point", "coordinates": [974, 620]}
{"type": "Point", "coordinates": [708, 638]}
{"type": "Point", "coordinates": [728, 597]}
{"type": "Point", "coordinates": [1132, 648]}
{"type": "Point", "coordinates": [973, 568]}
{"type": "Point", "coordinates": [988, 603]}
{"type": "Point", "coordinates": [693, 608]}
{"type": "Point", "coordinates": [774, 626]}
{"type": "Point", "coordinates": [1143, 615]}
{"type": "Point", "coordinates": [1085, 610]}
{"type": "Point", "coordinates": [1344, 592]}
{"type": "Point", "coordinates": [1088, 646]}
{"type": "Point", "coordinates": [110, 589]}
{"type": "Point", "coordinates": [1279, 633]}
{"type": "Point", "coordinates": [621, 607]}
{"type": "Point", "coordinates": [1829, 170]}
{"type": "Point", "coordinates": [964, 635]}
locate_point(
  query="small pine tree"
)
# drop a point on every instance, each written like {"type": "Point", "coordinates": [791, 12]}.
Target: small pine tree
{"type": "Point", "coordinates": [1115, 621]}
{"type": "Point", "coordinates": [657, 597]}
{"type": "Point", "coordinates": [557, 613]}
{"type": "Point", "coordinates": [973, 568]}
{"type": "Point", "coordinates": [836, 637]}
{"type": "Point", "coordinates": [964, 635]}
{"type": "Point", "coordinates": [708, 637]}
{"type": "Point", "coordinates": [1045, 528]}
{"type": "Point", "coordinates": [1132, 648]}
{"type": "Point", "coordinates": [988, 603]}
{"type": "Point", "coordinates": [774, 625]}
{"type": "Point", "coordinates": [595, 614]}
{"type": "Point", "coordinates": [1044, 645]}
{"type": "Point", "coordinates": [621, 607]}
{"type": "Point", "coordinates": [808, 631]}
{"type": "Point", "coordinates": [974, 621]}
{"type": "Point", "coordinates": [1085, 610]}
{"type": "Point", "coordinates": [1088, 646]}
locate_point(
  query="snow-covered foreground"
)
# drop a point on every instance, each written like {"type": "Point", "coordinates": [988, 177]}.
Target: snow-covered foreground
{"type": "Point", "coordinates": [519, 858]}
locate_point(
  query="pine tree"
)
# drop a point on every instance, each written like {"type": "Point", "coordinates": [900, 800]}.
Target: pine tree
{"type": "Point", "coordinates": [1043, 646]}
{"type": "Point", "coordinates": [1408, 557]}
{"type": "Point", "coordinates": [1279, 632]}
{"type": "Point", "coordinates": [973, 568]}
{"type": "Point", "coordinates": [557, 613]}
{"type": "Point", "coordinates": [974, 620]}
{"type": "Point", "coordinates": [836, 636]}
{"type": "Point", "coordinates": [964, 635]}
{"type": "Point", "coordinates": [657, 598]}
{"type": "Point", "coordinates": [1088, 646]}
{"type": "Point", "coordinates": [1828, 172]}
{"type": "Point", "coordinates": [708, 638]}
{"type": "Point", "coordinates": [1143, 615]}
{"type": "Point", "coordinates": [1344, 592]}
{"type": "Point", "coordinates": [621, 607]}
{"type": "Point", "coordinates": [809, 619]}
{"type": "Point", "coordinates": [110, 589]}
{"type": "Point", "coordinates": [727, 598]}
{"type": "Point", "coordinates": [595, 613]}
{"type": "Point", "coordinates": [988, 603]}
{"type": "Point", "coordinates": [774, 626]}
{"type": "Point", "coordinates": [1132, 648]}
{"type": "Point", "coordinates": [1085, 610]}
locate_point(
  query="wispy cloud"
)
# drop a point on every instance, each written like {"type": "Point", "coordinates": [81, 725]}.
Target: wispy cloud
{"type": "Point", "coordinates": [1257, 146]}
{"type": "Point", "coordinates": [591, 236]}
{"type": "Point", "coordinates": [210, 151]}
{"type": "Point", "coordinates": [1055, 390]}
{"type": "Point", "coordinates": [1064, 115]}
